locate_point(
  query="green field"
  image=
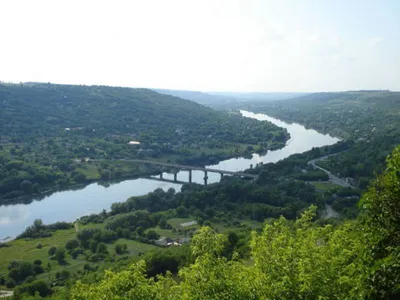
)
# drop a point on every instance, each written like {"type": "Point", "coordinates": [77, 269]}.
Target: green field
{"type": "Point", "coordinates": [27, 250]}
{"type": "Point", "coordinates": [324, 186]}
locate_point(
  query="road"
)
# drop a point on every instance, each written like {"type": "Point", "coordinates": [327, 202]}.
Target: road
{"type": "Point", "coordinates": [332, 178]}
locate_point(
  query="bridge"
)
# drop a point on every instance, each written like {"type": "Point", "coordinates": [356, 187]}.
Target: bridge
{"type": "Point", "coordinates": [188, 168]}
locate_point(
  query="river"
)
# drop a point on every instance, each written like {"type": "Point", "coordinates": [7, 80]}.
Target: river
{"type": "Point", "coordinates": [71, 204]}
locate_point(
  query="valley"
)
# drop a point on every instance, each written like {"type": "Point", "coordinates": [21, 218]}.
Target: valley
{"type": "Point", "coordinates": [120, 220]}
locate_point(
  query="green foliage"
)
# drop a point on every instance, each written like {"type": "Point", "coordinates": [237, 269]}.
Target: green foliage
{"type": "Point", "coordinates": [381, 204]}
{"type": "Point", "coordinates": [291, 260]}
{"type": "Point", "coordinates": [39, 230]}
{"type": "Point", "coordinates": [37, 287]}
{"type": "Point", "coordinates": [101, 248]}
{"type": "Point", "coordinates": [52, 250]}
{"type": "Point", "coordinates": [60, 255]}
{"type": "Point", "coordinates": [71, 244]}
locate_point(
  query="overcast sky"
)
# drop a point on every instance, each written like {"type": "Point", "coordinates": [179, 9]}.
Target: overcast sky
{"type": "Point", "coordinates": [284, 45]}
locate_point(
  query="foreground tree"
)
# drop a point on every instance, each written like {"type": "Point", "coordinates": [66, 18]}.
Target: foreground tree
{"type": "Point", "coordinates": [381, 205]}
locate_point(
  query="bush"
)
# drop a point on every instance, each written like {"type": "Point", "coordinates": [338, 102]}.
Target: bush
{"type": "Point", "coordinates": [102, 248]}
{"type": "Point", "coordinates": [37, 262]}
{"type": "Point", "coordinates": [118, 248]}
{"type": "Point", "coordinates": [36, 287]}
{"type": "Point", "coordinates": [60, 255]}
{"type": "Point", "coordinates": [75, 253]}
{"type": "Point", "coordinates": [71, 244]}
{"type": "Point", "coordinates": [29, 279]}
{"type": "Point", "coordinates": [4, 245]}
{"type": "Point", "coordinates": [10, 283]}
{"type": "Point", "coordinates": [152, 235]}
{"type": "Point", "coordinates": [52, 251]}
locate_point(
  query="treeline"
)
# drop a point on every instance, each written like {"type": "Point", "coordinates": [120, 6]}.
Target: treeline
{"type": "Point", "coordinates": [40, 230]}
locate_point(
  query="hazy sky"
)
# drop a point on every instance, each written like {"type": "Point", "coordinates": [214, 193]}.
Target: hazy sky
{"type": "Point", "coordinates": [283, 45]}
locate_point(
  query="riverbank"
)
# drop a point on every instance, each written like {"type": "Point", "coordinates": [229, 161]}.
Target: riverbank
{"type": "Point", "coordinates": [71, 204]}
{"type": "Point", "coordinates": [129, 170]}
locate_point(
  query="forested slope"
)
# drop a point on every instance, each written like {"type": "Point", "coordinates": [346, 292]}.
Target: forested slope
{"type": "Point", "coordinates": [47, 131]}
{"type": "Point", "coordinates": [368, 119]}
{"type": "Point", "coordinates": [36, 110]}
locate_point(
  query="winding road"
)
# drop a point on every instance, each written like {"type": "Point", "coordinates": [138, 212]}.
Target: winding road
{"type": "Point", "coordinates": [332, 178]}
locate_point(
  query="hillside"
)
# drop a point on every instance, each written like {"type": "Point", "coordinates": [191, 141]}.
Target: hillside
{"type": "Point", "coordinates": [46, 109]}
{"type": "Point", "coordinates": [369, 119]}
{"type": "Point", "coordinates": [47, 131]}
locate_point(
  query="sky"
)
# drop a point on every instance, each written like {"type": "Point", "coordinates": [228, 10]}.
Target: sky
{"type": "Point", "coordinates": [237, 46]}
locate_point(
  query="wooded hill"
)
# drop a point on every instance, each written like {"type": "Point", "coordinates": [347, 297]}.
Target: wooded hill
{"type": "Point", "coordinates": [47, 130]}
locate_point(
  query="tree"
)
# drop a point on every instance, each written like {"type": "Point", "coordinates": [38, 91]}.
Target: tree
{"type": "Point", "coordinates": [10, 283]}
{"type": "Point", "coordinates": [101, 248]}
{"type": "Point", "coordinates": [291, 261]}
{"type": "Point", "coordinates": [381, 204]}
{"type": "Point", "coordinates": [71, 244]}
{"type": "Point", "coordinates": [152, 234]}
{"type": "Point", "coordinates": [93, 245]}
{"type": "Point", "coordinates": [26, 186]}
{"type": "Point", "coordinates": [118, 249]}
{"type": "Point", "coordinates": [60, 255]}
{"type": "Point", "coordinates": [37, 262]}
{"type": "Point", "coordinates": [52, 250]}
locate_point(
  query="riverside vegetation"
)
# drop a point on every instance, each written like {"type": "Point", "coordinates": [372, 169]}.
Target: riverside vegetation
{"type": "Point", "coordinates": [47, 131]}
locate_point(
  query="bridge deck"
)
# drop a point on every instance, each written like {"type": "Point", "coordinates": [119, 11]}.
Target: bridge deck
{"type": "Point", "coordinates": [186, 167]}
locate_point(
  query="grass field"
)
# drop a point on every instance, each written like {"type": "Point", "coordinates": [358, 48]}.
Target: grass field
{"type": "Point", "coordinates": [324, 186]}
{"type": "Point", "coordinates": [176, 222]}
{"type": "Point", "coordinates": [27, 250]}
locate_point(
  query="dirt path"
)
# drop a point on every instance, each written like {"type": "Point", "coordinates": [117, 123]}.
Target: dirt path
{"type": "Point", "coordinates": [76, 227]}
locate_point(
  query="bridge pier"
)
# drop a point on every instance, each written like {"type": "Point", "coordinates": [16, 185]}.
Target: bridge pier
{"type": "Point", "coordinates": [205, 177]}
{"type": "Point", "coordinates": [161, 175]}
{"type": "Point", "coordinates": [222, 175]}
{"type": "Point", "coordinates": [175, 176]}
{"type": "Point", "coordinates": [190, 176]}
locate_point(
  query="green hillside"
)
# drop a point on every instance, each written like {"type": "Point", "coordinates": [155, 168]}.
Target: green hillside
{"type": "Point", "coordinates": [369, 120]}
{"type": "Point", "coordinates": [47, 131]}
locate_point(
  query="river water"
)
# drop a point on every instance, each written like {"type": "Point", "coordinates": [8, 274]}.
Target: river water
{"type": "Point", "coordinates": [71, 204]}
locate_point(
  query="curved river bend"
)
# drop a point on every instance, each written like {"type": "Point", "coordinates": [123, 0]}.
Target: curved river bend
{"type": "Point", "coordinates": [70, 205]}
